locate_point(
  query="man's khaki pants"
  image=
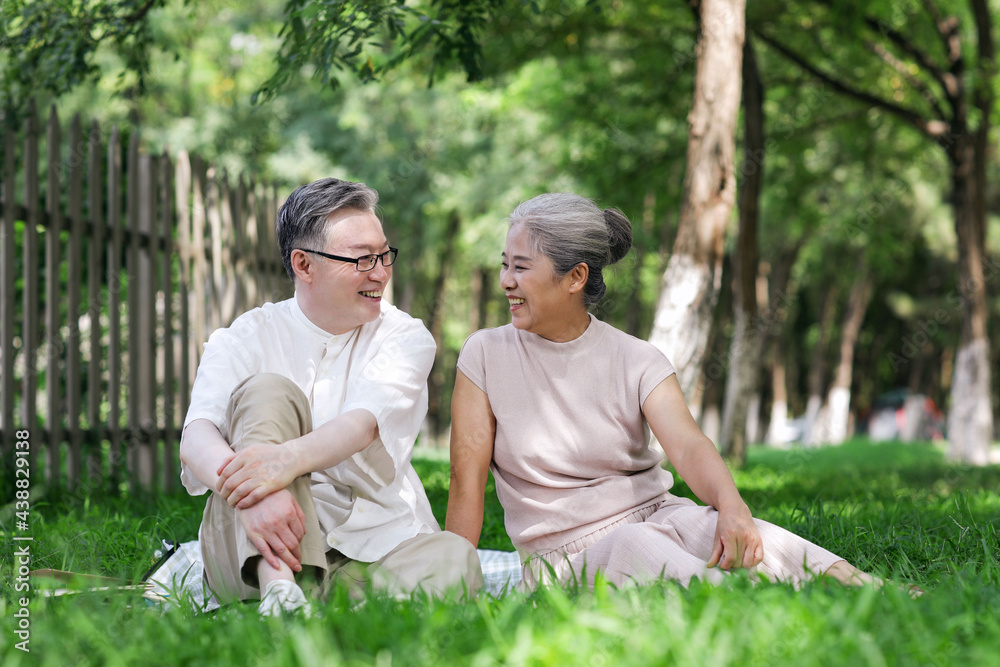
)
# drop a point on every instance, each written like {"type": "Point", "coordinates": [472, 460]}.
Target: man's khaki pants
{"type": "Point", "coordinates": [271, 409]}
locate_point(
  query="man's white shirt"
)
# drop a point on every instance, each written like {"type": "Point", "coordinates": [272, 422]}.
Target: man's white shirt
{"type": "Point", "coordinates": [374, 500]}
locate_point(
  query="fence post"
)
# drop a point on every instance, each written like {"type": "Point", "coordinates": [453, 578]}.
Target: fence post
{"type": "Point", "coordinates": [233, 215]}
{"type": "Point", "coordinates": [199, 210]}
{"type": "Point", "coordinates": [152, 239]}
{"type": "Point", "coordinates": [182, 184]}
{"type": "Point", "coordinates": [53, 322]}
{"type": "Point", "coordinates": [148, 348]}
{"type": "Point", "coordinates": [29, 337]}
{"type": "Point", "coordinates": [252, 246]}
{"type": "Point", "coordinates": [118, 454]}
{"type": "Point", "coordinates": [169, 389]}
{"type": "Point", "coordinates": [95, 281]}
{"type": "Point", "coordinates": [74, 273]}
{"type": "Point", "coordinates": [215, 223]}
{"type": "Point", "coordinates": [7, 297]}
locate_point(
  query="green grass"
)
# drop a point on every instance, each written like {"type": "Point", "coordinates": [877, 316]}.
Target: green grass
{"type": "Point", "coordinates": [897, 510]}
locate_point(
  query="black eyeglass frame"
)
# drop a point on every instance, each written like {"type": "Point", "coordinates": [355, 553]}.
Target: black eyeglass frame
{"type": "Point", "coordinates": [389, 254]}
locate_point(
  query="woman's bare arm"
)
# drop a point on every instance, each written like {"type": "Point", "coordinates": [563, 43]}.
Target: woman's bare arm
{"type": "Point", "coordinates": [737, 541]}
{"type": "Point", "coordinates": [473, 428]}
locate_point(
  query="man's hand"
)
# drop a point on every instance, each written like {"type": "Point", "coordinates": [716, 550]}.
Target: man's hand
{"type": "Point", "coordinates": [255, 472]}
{"type": "Point", "coordinates": [275, 525]}
{"type": "Point", "coordinates": [737, 541]}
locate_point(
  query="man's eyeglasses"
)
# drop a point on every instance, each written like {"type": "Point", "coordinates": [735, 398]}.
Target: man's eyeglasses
{"type": "Point", "coordinates": [363, 263]}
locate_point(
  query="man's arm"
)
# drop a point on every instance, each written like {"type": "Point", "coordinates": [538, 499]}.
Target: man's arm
{"type": "Point", "coordinates": [259, 470]}
{"type": "Point", "coordinates": [204, 451]}
{"type": "Point", "coordinates": [276, 526]}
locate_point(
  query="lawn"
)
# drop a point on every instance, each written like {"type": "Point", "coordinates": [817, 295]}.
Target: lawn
{"type": "Point", "coordinates": [897, 510]}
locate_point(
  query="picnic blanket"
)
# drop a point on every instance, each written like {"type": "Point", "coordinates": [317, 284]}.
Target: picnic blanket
{"type": "Point", "coordinates": [176, 578]}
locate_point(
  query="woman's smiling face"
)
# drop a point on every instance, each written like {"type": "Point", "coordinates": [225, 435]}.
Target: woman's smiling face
{"type": "Point", "coordinates": [540, 301]}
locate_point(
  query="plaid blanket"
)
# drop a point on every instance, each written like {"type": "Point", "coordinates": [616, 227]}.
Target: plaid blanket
{"type": "Point", "coordinates": [177, 576]}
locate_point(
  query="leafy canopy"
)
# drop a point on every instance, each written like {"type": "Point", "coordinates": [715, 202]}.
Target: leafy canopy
{"type": "Point", "coordinates": [51, 46]}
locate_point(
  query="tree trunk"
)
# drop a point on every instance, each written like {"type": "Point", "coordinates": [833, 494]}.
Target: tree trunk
{"type": "Point", "coordinates": [632, 320]}
{"type": "Point", "coordinates": [778, 426]}
{"type": "Point", "coordinates": [752, 431]}
{"type": "Point", "coordinates": [970, 417]}
{"type": "Point", "coordinates": [708, 389]}
{"type": "Point", "coordinates": [775, 315]}
{"type": "Point", "coordinates": [409, 279]}
{"type": "Point", "coordinates": [437, 380]}
{"type": "Point", "coordinates": [710, 421]}
{"type": "Point", "coordinates": [693, 275]}
{"type": "Point", "coordinates": [913, 426]}
{"type": "Point", "coordinates": [748, 338]}
{"type": "Point", "coordinates": [708, 393]}
{"type": "Point", "coordinates": [833, 427]}
{"type": "Point", "coordinates": [817, 368]}
{"type": "Point", "coordinates": [486, 288]}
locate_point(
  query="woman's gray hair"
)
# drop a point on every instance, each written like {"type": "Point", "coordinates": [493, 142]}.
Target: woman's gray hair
{"type": "Point", "coordinates": [570, 229]}
{"type": "Point", "coordinates": [302, 218]}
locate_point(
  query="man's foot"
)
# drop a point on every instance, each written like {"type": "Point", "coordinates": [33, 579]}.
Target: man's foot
{"type": "Point", "coordinates": [282, 595]}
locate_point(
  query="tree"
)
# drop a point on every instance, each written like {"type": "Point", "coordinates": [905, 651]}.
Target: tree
{"type": "Point", "coordinates": [51, 46]}
{"type": "Point", "coordinates": [932, 90]}
{"type": "Point", "coordinates": [571, 98]}
{"type": "Point", "coordinates": [834, 417]}
{"type": "Point", "coordinates": [691, 281]}
{"type": "Point", "coordinates": [749, 334]}
{"type": "Point", "coordinates": [374, 37]}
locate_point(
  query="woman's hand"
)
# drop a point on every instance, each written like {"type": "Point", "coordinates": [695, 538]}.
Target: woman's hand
{"type": "Point", "coordinates": [737, 541]}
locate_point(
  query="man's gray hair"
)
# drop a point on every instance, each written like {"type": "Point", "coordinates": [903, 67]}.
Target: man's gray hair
{"type": "Point", "coordinates": [570, 229]}
{"type": "Point", "coordinates": [302, 218]}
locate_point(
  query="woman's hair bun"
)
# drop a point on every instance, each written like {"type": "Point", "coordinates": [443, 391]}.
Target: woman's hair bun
{"type": "Point", "coordinates": [619, 234]}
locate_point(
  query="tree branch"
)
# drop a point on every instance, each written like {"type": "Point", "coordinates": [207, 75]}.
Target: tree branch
{"type": "Point", "coordinates": [901, 40]}
{"type": "Point", "coordinates": [823, 123]}
{"type": "Point", "coordinates": [932, 128]}
{"type": "Point", "coordinates": [984, 32]}
{"type": "Point", "coordinates": [939, 21]}
{"type": "Point", "coordinates": [889, 58]}
{"type": "Point", "coordinates": [106, 15]}
{"type": "Point", "coordinates": [140, 13]}
{"type": "Point", "coordinates": [983, 98]}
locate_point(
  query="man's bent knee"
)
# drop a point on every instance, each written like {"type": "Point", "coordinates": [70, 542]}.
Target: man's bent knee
{"type": "Point", "coordinates": [271, 386]}
{"type": "Point", "coordinates": [267, 408]}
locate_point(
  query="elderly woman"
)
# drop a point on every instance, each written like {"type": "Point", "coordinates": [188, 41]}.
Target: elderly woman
{"type": "Point", "coordinates": [557, 402]}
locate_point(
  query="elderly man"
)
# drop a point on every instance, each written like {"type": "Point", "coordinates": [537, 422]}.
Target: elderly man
{"type": "Point", "coordinates": [302, 423]}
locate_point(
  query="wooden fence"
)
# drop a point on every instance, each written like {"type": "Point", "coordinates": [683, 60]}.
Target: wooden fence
{"type": "Point", "coordinates": [116, 266]}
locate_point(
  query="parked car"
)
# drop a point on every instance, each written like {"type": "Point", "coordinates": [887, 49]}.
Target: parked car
{"type": "Point", "coordinates": [903, 415]}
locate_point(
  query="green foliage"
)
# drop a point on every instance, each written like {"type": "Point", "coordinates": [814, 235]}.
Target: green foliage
{"type": "Point", "coordinates": [52, 46]}
{"type": "Point", "coordinates": [895, 509]}
{"type": "Point", "coordinates": [332, 35]}
{"type": "Point", "coordinates": [434, 474]}
{"type": "Point", "coordinates": [573, 95]}
{"type": "Point", "coordinates": [105, 534]}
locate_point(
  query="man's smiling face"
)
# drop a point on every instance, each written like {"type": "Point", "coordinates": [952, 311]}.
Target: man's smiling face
{"type": "Point", "coordinates": [345, 297]}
